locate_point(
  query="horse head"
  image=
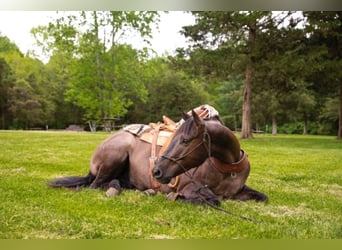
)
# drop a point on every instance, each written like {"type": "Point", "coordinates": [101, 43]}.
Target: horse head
{"type": "Point", "coordinates": [195, 141]}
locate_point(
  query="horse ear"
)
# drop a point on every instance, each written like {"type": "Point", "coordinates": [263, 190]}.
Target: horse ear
{"type": "Point", "coordinates": [185, 116]}
{"type": "Point", "coordinates": [197, 119]}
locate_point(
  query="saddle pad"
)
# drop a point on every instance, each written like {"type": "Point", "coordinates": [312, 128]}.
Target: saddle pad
{"type": "Point", "coordinates": [137, 129]}
{"type": "Point", "coordinates": [163, 136]}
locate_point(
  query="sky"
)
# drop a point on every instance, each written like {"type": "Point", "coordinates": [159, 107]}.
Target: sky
{"type": "Point", "coordinates": [16, 25]}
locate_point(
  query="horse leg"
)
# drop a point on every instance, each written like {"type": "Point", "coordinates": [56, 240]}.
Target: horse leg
{"type": "Point", "coordinates": [150, 192]}
{"type": "Point", "coordinates": [101, 178]}
{"type": "Point", "coordinates": [195, 193]}
{"type": "Point", "coordinates": [108, 175]}
{"type": "Point", "coordinates": [110, 159]}
{"type": "Point", "coordinates": [114, 188]}
{"type": "Point", "coordinates": [247, 193]}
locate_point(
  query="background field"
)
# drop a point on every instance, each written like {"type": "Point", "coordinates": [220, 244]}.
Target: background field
{"type": "Point", "coordinates": [300, 174]}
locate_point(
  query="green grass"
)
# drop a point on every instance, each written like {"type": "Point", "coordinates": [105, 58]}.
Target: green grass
{"type": "Point", "coordinates": [302, 175]}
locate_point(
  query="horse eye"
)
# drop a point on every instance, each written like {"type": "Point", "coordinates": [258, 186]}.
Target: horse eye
{"type": "Point", "coordinates": [185, 141]}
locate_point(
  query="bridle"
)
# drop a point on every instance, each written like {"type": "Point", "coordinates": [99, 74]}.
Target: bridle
{"type": "Point", "coordinates": [203, 142]}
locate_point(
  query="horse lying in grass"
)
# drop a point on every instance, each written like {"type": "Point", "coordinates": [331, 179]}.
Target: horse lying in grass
{"type": "Point", "coordinates": [203, 163]}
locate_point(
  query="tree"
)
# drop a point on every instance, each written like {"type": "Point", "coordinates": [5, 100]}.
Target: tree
{"type": "Point", "coordinates": [7, 46]}
{"type": "Point", "coordinates": [25, 99]}
{"type": "Point", "coordinates": [329, 116]}
{"type": "Point", "coordinates": [229, 102]}
{"type": "Point", "coordinates": [236, 32]}
{"type": "Point", "coordinates": [282, 87]}
{"type": "Point", "coordinates": [169, 93]}
{"type": "Point", "coordinates": [275, 53]}
{"type": "Point", "coordinates": [97, 95]}
{"type": "Point", "coordinates": [6, 80]}
{"type": "Point", "coordinates": [29, 96]}
{"type": "Point", "coordinates": [6, 83]}
{"type": "Point", "coordinates": [104, 73]}
{"type": "Point", "coordinates": [58, 42]}
{"type": "Point", "coordinates": [324, 28]}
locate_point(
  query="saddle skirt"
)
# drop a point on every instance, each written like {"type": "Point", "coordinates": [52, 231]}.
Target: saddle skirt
{"type": "Point", "coordinates": [162, 137]}
{"type": "Point", "coordinates": [136, 129]}
{"type": "Point", "coordinates": [146, 132]}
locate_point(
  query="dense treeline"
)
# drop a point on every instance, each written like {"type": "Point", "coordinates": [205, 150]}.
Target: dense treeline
{"type": "Point", "coordinates": [274, 71]}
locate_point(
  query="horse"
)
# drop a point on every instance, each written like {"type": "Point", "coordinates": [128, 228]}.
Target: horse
{"type": "Point", "coordinates": [209, 155]}
{"type": "Point", "coordinates": [122, 161]}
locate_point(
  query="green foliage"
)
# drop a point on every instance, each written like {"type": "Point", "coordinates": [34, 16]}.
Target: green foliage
{"type": "Point", "coordinates": [169, 93]}
{"type": "Point", "coordinates": [302, 203]}
{"type": "Point", "coordinates": [287, 56]}
{"type": "Point", "coordinates": [294, 62]}
{"type": "Point", "coordinates": [24, 95]}
{"type": "Point", "coordinates": [6, 46]}
{"type": "Point", "coordinates": [102, 74]}
{"type": "Point", "coordinates": [5, 89]}
{"type": "Point", "coordinates": [229, 103]}
{"type": "Point", "coordinates": [314, 128]}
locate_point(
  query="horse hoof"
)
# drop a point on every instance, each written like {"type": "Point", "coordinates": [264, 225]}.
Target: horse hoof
{"type": "Point", "coordinates": [172, 196]}
{"type": "Point", "coordinates": [112, 192]}
{"type": "Point", "coordinates": [150, 192]}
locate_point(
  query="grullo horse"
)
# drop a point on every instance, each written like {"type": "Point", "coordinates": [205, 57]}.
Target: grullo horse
{"type": "Point", "coordinates": [203, 163]}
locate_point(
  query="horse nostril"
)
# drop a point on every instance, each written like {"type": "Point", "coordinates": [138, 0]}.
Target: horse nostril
{"type": "Point", "coordinates": [157, 173]}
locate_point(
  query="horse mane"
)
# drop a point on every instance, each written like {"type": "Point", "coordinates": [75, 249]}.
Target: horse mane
{"type": "Point", "coordinates": [188, 126]}
{"type": "Point", "coordinates": [214, 118]}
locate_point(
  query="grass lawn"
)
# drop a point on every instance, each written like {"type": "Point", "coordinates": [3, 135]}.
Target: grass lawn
{"type": "Point", "coordinates": [302, 175]}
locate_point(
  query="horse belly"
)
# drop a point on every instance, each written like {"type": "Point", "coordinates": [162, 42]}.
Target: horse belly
{"type": "Point", "coordinates": [139, 164]}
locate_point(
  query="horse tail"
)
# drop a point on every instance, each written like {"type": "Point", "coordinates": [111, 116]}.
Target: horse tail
{"type": "Point", "coordinates": [71, 181]}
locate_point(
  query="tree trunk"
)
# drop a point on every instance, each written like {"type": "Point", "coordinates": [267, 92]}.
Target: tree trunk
{"type": "Point", "coordinates": [98, 67]}
{"type": "Point", "coordinates": [2, 118]}
{"type": "Point", "coordinates": [246, 128]}
{"type": "Point", "coordinates": [112, 71]}
{"type": "Point", "coordinates": [339, 135]}
{"type": "Point", "coordinates": [305, 129]}
{"type": "Point", "coordinates": [274, 126]}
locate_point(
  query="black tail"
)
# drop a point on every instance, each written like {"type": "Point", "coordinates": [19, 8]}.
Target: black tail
{"type": "Point", "coordinates": [71, 181]}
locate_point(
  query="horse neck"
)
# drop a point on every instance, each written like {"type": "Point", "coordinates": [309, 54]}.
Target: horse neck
{"type": "Point", "coordinates": [224, 144]}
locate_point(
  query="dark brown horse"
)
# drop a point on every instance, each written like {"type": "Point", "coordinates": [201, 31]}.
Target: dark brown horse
{"type": "Point", "coordinates": [212, 159]}
{"type": "Point", "coordinates": [123, 159]}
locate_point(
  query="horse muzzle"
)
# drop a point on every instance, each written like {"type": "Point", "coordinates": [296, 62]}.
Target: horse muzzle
{"type": "Point", "coordinates": [160, 176]}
